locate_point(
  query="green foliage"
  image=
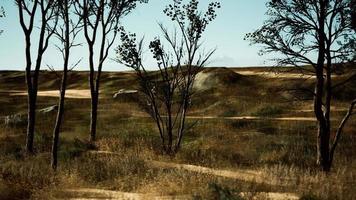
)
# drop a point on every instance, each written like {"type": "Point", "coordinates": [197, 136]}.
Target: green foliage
{"type": "Point", "coordinates": [292, 30]}
{"type": "Point", "coordinates": [170, 93]}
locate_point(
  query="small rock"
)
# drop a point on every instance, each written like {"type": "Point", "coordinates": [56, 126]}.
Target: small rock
{"type": "Point", "coordinates": [124, 92]}
{"type": "Point", "coordinates": [49, 109]}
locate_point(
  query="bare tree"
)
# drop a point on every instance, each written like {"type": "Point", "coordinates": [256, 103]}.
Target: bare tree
{"type": "Point", "coordinates": [299, 29]}
{"type": "Point", "coordinates": [67, 31]}
{"type": "Point", "coordinates": [353, 13]}
{"type": "Point", "coordinates": [2, 14]}
{"type": "Point", "coordinates": [168, 93]}
{"type": "Point", "coordinates": [27, 10]}
{"type": "Point", "coordinates": [101, 18]}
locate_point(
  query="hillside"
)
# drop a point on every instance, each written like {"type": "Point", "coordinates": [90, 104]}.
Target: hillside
{"type": "Point", "coordinates": [252, 135]}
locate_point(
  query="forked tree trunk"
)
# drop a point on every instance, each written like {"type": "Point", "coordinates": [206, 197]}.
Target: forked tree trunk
{"type": "Point", "coordinates": [323, 158]}
{"type": "Point", "coordinates": [60, 113]}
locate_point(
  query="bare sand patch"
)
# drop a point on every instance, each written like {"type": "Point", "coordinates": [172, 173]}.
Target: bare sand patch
{"type": "Point", "coordinates": [70, 93]}
{"type": "Point", "coordinates": [256, 118]}
{"type": "Point", "coordinates": [244, 175]}
{"type": "Point", "coordinates": [142, 115]}
{"type": "Point", "coordinates": [92, 193]}
{"type": "Point", "coordinates": [256, 176]}
{"type": "Point", "coordinates": [271, 195]}
{"type": "Point", "coordinates": [268, 74]}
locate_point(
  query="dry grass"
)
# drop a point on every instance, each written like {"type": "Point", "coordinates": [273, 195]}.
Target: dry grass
{"type": "Point", "coordinates": [282, 151]}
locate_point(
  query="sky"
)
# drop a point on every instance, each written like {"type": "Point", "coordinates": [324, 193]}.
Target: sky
{"type": "Point", "coordinates": [226, 34]}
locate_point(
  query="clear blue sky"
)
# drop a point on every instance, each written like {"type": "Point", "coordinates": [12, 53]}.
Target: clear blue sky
{"type": "Point", "coordinates": [226, 33]}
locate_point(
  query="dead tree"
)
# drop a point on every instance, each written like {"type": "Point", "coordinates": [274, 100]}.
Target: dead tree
{"type": "Point", "coordinates": [67, 31]}
{"type": "Point", "coordinates": [299, 28]}
{"type": "Point", "coordinates": [2, 14]}
{"type": "Point", "coordinates": [101, 18]}
{"type": "Point", "coordinates": [29, 11]}
{"type": "Point", "coordinates": [353, 13]}
{"type": "Point", "coordinates": [168, 93]}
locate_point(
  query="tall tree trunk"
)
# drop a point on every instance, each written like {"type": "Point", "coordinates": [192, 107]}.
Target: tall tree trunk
{"type": "Point", "coordinates": [323, 131]}
{"type": "Point", "coordinates": [31, 103]}
{"type": "Point", "coordinates": [182, 124]}
{"type": "Point", "coordinates": [93, 116]}
{"type": "Point", "coordinates": [31, 118]}
{"type": "Point", "coordinates": [57, 128]}
{"type": "Point", "coordinates": [95, 86]}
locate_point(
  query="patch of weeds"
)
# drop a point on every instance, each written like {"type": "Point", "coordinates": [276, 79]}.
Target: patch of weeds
{"type": "Point", "coordinates": [224, 193]}
{"type": "Point", "coordinates": [241, 124]}
{"type": "Point", "coordinates": [98, 168]}
{"type": "Point", "coordinates": [267, 128]}
{"type": "Point", "coordinates": [309, 197]}
{"type": "Point", "coordinates": [75, 148]}
{"type": "Point", "coordinates": [229, 113]}
{"type": "Point", "coordinates": [269, 111]}
{"type": "Point", "coordinates": [13, 191]}
{"type": "Point", "coordinates": [42, 142]}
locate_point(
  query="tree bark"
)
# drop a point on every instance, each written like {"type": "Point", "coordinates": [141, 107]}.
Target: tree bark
{"type": "Point", "coordinates": [58, 124]}
{"type": "Point", "coordinates": [93, 116]}
{"type": "Point", "coordinates": [31, 103]}
{"type": "Point", "coordinates": [323, 131]}
{"type": "Point", "coordinates": [60, 113]}
{"type": "Point", "coordinates": [31, 117]}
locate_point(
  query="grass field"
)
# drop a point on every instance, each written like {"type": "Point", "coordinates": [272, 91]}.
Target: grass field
{"type": "Point", "coordinates": [254, 156]}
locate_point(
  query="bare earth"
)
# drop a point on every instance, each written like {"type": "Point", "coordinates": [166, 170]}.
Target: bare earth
{"type": "Point", "coordinates": [255, 118]}
{"type": "Point", "coordinates": [273, 74]}
{"type": "Point", "coordinates": [244, 175]}
{"type": "Point", "coordinates": [90, 193]}
{"type": "Point", "coordinates": [70, 93]}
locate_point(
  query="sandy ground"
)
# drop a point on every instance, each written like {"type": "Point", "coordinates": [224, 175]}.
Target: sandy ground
{"type": "Point", "coordinates": [238, 174]}
{"type": "Point", "coordinates": [91, 193]}
{"type": "Point", "coordinates": [244, 175]}
{"type": "Point", "coordinates": [273, 74]}
{"type": "Point", "coordinates": [255, 118]}
{"type": "Point", "coordinates": [70, 93]}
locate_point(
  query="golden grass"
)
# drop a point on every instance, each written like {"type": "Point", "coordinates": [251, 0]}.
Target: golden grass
{"type": "Point", "coordinates": [282, 152]}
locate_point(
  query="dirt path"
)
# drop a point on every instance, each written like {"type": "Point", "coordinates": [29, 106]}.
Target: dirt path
{"type": "Point", "coordinates": [255, 118]}
{"type": "Point", "coordinates": [271, 195]}
{"type": "Point", "coordinates": [242, 118]}
{"type": "Point", "coordinates": [244, 175]}
{"type": "Point", "coordinates": [268, 74]}
{"type": "Point", "coordinates": [70, 93]}
{"type": "Point", "coordinates": [92, 193]}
